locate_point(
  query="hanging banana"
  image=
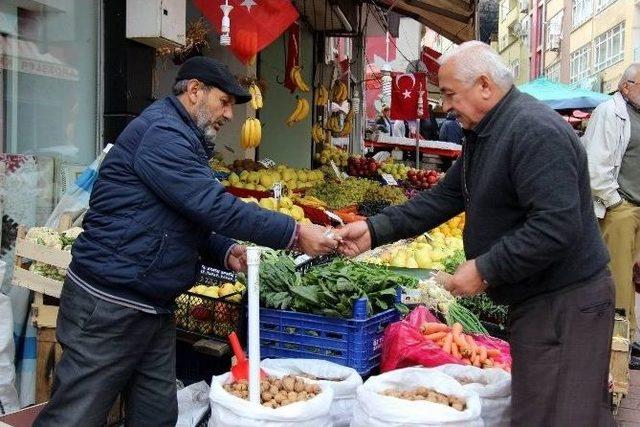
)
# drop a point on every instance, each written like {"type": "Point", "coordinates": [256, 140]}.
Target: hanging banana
{"type": "Point", "coordinates": [298, 80]}
{"type": "Point", "coordinates": [251, 133]}
{"type": "Point", "coordinates": [299, 113]}
{"type": "Point", "coordinates": [322, 96]}
{"type": "Point", "coordinates": [256, 96]}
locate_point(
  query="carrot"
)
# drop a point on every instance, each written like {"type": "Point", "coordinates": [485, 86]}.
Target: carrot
{"type": "Point", "coordinates": [483, 354]}
{"type": "Point", "coordinates": [476, 361]}
{"type": "Point", "coordinates": [492, 352]}
{"type": "Point", "coordinates": [466, 361]}
{"type": "Point", "coordinates": [446, 346]}
{"type": "Point", "coordinates": [460, 340]}
{"type": "Point", "coordinates": [456, 328]}
{"type": "Point", "coordinates": [471, 342]}
{"type": "Point", "coordinates": [435, 336]}
{"type": "Point", "coordinates": [454, 351]}
{"type": "Point", "coordinates": [433, 327]}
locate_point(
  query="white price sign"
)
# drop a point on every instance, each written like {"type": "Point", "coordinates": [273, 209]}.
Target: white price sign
{"type": "Point", "coordinates": [277, 190]}
{"type": "Point", "coordinates": [301, 259]}
{"type": "Point", "coordinates": [337, 171]}
{"type": "Point", "coordinates": [267, 163]}
{"type": "Point", "coordinates": [334, 217]}
{"type": "Point", "coordinates": [389, 179]}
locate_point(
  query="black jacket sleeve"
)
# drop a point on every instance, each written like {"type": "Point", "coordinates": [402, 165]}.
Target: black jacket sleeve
{"type": "Point", "coordinates": [425, 211]}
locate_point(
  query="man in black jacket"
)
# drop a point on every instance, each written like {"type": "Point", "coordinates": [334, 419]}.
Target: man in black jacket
{"type": "Point", "coordinates": [531, 239]}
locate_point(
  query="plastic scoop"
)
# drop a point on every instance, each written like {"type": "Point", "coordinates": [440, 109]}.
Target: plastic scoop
{"type": "Point", "coordinates": [240, 371]}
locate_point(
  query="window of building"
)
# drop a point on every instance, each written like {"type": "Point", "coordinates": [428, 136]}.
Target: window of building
{"type": "Point", "coordinates": [504, 9]}
{"type": "Point", "coordinates": [515, 68]}
{"type": "Point", "coordinates": [580, 64]}
{"type": "Point", "coordinates": [609, 47]}
{"type": "Point", "coordinates": [48, 102]}
{"type": "Point", "coordinates": [554, 30]}
{"type": "Point", "coordinates": [602, 4]}
{"type": "Point", "coordinates": [582, 11]}
{"type": "Point", "coordinates": [503, 42]}
{"type": "Point", "coordinates": [553, 72]}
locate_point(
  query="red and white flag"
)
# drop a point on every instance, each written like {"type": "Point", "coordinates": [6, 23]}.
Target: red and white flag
{"type": "Point", "coordinates": [406, 92]}
{"type": "Point", "coordinates": [255, 24]}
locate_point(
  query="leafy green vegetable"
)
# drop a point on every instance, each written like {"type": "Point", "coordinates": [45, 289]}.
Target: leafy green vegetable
{"type": "Point", "coordinates": [483, 307]}
{"type": "Point", "coordinates": [452, 263]}
{"type": "Point", "coordinates": [331, 289]}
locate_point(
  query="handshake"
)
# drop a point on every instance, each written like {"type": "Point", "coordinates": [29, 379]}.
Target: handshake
{"type": "Point", "coordinates": [350, 240]}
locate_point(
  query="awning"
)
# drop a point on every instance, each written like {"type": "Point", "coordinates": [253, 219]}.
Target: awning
{"type": "Point", "coordinates": [454, 19]}
{"type": "Point", "coordinates": [24, 56]}
{"type": "Point", "coordinates": [560, 96]}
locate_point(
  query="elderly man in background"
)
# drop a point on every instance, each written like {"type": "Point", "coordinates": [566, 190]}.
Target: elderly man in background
{"type": "Point", "coordinates": [531, 238]}
{"type": "Point", "coordinates": [612, 141]}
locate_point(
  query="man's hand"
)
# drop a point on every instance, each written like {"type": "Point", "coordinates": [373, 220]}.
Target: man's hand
{"type": "Point", "coordinates": [356, 238]}
{"type": "Point", "coordinates": [237, 258]}
{"type": "Point", "coordinates": [466, 281]}
{"type": "Point", "coordinates": [317, 240]}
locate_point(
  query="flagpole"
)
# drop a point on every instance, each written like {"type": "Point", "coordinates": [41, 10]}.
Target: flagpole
{"type": "Point", "coordinates": [418, 143]}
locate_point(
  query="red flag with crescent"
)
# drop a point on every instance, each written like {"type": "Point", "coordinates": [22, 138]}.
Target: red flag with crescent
{"type": "Point", "coordinates": [407, 89]}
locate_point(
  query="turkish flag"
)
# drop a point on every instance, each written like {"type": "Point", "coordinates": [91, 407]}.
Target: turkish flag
{"type": "Point", "coordinates": [406, 90]}
{"type": "Point", "coordinates": [430, 60]}
{"type": "Point", "coordinates": [255, 24]}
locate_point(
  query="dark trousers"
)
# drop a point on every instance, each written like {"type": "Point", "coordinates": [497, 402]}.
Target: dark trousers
{"type": "Point", "coordinates": [561, 346]}
{"type": "Point", "coordinates": [110, 349]}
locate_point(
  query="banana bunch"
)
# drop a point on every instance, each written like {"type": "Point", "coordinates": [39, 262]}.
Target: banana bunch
{"type": "Point", "coordinates": [348, 124]}
{"type": "Point", "coordinates": [256, 96]}
{"type": "Point", "coordinates": [339, 93]}
{"type": "Point", "coordinates": [301, 111]}
{"type": "Point", "coordinates": [333, 124]}
{"type": "Point", "coordinates": [322, 96]}
{"type": "Point", "coordinates": [251, 133]}
{"type": "Point", "coordinates": [318, 134]}
{"type": "Point", "coordinates": [296, 77]}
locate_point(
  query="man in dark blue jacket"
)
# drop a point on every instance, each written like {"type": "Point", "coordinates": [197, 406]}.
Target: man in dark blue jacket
{"type": "Point", "coordinates": [156, 212]}
{"type": "Point", "coordinates": [451, 131]}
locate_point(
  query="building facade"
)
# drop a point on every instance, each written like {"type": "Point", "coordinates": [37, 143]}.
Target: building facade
{"type": "Point", "coordinates": [584, 42]}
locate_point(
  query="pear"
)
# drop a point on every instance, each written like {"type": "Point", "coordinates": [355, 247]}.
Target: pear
{"type": "Point", "coordinates": [233, 178]}
{"type": "Point", "coordinates": [267, 203]}
{"type": "Point", "coordinates": [411, 263]}
{"type": "Point", "coordinates": [266, 180]}
{"type": "Point", "coordinates": [399, 260]}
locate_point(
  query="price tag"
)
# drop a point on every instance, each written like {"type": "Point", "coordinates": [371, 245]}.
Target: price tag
{"type": "Point", "coordinates": [389, 179]}
{"type": "Point", "coordinates": [277, 190]}
{"type": "Point", "coordinates": [336, 171]}
{"type": "Point", "coordinates": [267, 163]}
{"type": "Point", "coordinates": [411, 296]}
{"type": "Point", "coordinates": [301, 259]}
{"type": "Point", "coordinates": [334, 217]}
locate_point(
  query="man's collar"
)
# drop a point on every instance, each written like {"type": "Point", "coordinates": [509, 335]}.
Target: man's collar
{"type": "Point", "coordinates": [484, 128]}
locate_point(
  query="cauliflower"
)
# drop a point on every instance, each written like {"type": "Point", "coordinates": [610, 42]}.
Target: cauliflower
{"type": "Point", "coordinates": [69, 236]}
{"type": "Point", "coordinates": [47, 270]}
{"type": "Point", "coordinates": [45, 236]}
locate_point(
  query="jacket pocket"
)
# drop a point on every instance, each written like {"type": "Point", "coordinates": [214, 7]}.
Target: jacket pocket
{"type": "Point", "coordinates": [596, 307]}
{"type": "Point", "coordinates": [157, 257]}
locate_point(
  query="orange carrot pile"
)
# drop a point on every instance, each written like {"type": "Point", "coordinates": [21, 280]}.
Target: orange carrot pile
{"type": "Point", "coordinates": [462, 346]}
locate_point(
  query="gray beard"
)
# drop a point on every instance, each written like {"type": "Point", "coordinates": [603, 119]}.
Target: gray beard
{"type": "Point", "coordinates": [202, 122]}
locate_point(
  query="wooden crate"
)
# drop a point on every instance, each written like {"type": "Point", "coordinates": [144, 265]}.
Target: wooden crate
{"type": "Point", "coordinates": [620, 356]}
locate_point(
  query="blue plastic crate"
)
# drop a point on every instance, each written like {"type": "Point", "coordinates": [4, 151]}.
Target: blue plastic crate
{"type": "Point", "coordinates": [356, 342]}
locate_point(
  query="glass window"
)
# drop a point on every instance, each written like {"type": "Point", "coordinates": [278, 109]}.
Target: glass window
{"type": "Point", "coordinates": [504, 9]}
{"type": "Point", "coordinates": [553, 72]}
{"type": "Point", "coordinates": [515, 68]}
{"type": "Point", "coordinates": [609, 47]}
{"type": "Point", "coordinates": [554, 30]}
{"type": "Point", "coordinates": [582, 11]}
{"type": "Point", "coordinates": [601, 4]}
{"type": "Point", "coordinates": [48, 100]}
{"type": "Point", "coordinates": [580, 63]}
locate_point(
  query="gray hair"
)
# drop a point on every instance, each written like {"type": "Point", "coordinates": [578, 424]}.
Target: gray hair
{"type": "Point", "coordinates": [475, 58]}
{"type": "Point", "coordinates": [629, 74]}
{"type": "Point", "coordinates": [180, 86]}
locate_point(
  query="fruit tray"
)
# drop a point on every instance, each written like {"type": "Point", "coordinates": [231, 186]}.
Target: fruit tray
{"type": "Point", "coordinates": [213, 308]}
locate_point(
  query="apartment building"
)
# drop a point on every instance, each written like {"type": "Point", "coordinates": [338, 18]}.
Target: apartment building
{"type": "Point", "coordinates": [584, 42]}
{"type": "Point", "coordinates": [514, 37]}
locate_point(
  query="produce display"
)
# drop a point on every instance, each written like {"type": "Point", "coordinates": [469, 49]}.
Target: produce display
{"type": "Point", "coordinates": [419, 253]}
{"type": "Point", "coordinates": [338, 195]}
{"type": "Point", "coordinates": [423, 179]}
{"type": "Point", "coordinates": [277, 392]}
{"type": "Point", "coordinates": [322, 96]}
{"type": "Point", "coordinates": [397, 170]}
{"type": "Point", "coordinates": [243, 165]}
{"type": "Point", "coordinates": [331, 153]}
{"type": "Point", "coordinates": [452, 340]}
{"type": "Point", "coordinates": [50, 238]}
{"type": "Point", "coordinates": [285, 206]}
{"type": "Point", "coordinates": [299, 113]}
{"type": "Point", "coordinates": [256, 96]}
{"type": "Point", "coordinates": [264, 179]}
{"type": "Point", "coordinates": [427, 394]}
{"type": "Point", "coordinates": [330, 289]}
{"type": "Point", "coordinates": [339, 92]}
{"type": "Point", "coordinates": [235, 290]}
{"type": "Point", "coordinates": [372, 207]}
{"type": "Point", "coordinates": [364, 167]}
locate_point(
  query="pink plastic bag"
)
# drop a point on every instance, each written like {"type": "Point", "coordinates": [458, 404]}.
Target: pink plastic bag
{"type": "Point", "coordinates": [404, 345]}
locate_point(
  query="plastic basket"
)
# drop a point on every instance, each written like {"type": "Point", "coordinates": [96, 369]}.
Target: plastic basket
{"type": "Point", "coordinates": [207, 317]}
{"type": "Point", "coordinates": [355, 343]}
